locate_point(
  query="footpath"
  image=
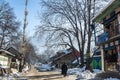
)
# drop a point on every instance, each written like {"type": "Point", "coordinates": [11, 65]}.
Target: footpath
{"type": "Point", "coordinates": [34, 74]}
{"type": "Point", "coordinates": [108, 74]}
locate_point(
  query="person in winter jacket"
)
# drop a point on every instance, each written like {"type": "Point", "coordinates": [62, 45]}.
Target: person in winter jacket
{"type": "Point", "coordinates": [64, 69]}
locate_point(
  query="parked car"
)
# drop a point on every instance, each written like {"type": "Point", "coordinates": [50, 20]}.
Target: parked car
{"type": "Point", "coordinates": [37, 65]}
{"type": "Point", "coordinates": [44, 67]}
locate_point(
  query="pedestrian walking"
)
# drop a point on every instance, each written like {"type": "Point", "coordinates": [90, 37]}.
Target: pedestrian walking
{"type": "Point", "coordinates": [64, 69]}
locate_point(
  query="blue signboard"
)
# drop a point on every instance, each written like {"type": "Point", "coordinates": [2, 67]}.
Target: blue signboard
{"type": "Point", "coordinates": [102, 38]}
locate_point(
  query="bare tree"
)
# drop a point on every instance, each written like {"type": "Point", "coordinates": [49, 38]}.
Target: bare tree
{"type": "Point", "coordinates": [9, 27]}
{"type": "Point", "coordinates": [68, 22]}
{"type": "Point", "coordinates": [31, 54]}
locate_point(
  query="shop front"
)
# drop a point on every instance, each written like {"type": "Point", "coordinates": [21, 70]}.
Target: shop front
{"type": "Point", "coordinates": [5, 61]}
{"type": "Point", "coordinates": [112, 56]}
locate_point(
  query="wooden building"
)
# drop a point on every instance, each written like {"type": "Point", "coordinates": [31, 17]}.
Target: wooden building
{"type": "Point", "coordinates": [67, 56]}
{"type": "Point", "coordinates": [5, 58]}
{"type": "Point", "coordinates": [9, 58]}
{"type": "Point", "coordinates": [15, 61]}
{"type": "Point", "coordinates": [5, 61]}
{"type": "Point", "coordinates": [109, 41]}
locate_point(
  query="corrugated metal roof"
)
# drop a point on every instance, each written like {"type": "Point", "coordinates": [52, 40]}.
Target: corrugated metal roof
{"type": "Point", "coordinates": [1, 50]}
{"type": "Point", "coordinates": [107, 10]}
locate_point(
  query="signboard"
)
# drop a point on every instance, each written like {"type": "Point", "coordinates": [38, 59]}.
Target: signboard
{"type": "Point", "coordinates": [106, 45]}
{"type": "Point", "coordinates": [116, 42]}
{"type": "Point", "coordinates": [3, 61]}
{"type": "Point", "coordinates": [111, 44]}
{"type": "Point", "coordinates": [102, 38]}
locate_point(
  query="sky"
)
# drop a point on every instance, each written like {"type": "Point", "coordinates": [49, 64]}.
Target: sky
{"type": "Point", "coordinates": [33, 7]}
{"type": "Point", "coordinates": [32, 18]}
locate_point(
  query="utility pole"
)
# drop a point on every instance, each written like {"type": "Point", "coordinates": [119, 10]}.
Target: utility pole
{"type": "Point", "coordinates": [24, 41]}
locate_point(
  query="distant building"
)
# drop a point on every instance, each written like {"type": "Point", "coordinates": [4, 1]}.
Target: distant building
{"type": "Point", "coordinates": [109, 41]}
{"type": "Point", "coordinates": [15, 61]}
{"type": "Point", "coordinates": [5, 61]}
{"type": "Point", "coordinates": [5, 58]}
{"type": "Point", "coordinates": [9, 58]}
{"type": "Point", "coordinates": [67, 56]}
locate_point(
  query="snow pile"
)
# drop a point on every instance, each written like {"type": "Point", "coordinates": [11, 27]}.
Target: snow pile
{"type": "Point", "coordinates": [81, 73]}
{"type": "Point", "coordinates": [74, 70]}
{"type": "Point", "coordinates": [111, 79]}
{"type": "Point", "coordinates": [85, 75]}
{"type": "Point", "coordinates": [96, 71]}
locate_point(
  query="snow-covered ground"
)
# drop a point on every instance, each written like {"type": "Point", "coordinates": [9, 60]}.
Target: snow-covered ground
{"type": "Point", "coordinates": [79, 74]}
{"type": "Point", "coordinates": [85, 74]}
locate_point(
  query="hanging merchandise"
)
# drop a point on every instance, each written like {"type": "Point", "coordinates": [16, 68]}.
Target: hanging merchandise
{"type": "Point", "coordinates": [110, 52]}
{"type": "Point", "coordinates": [114, 51]}
{"type": "Point", "coordinates": [118, 50]}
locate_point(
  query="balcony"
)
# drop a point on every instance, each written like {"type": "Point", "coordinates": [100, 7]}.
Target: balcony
{"type": "Point", "coordinates": [102, 38]}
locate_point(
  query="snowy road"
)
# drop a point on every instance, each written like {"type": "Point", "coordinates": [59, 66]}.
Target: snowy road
{"type": "Point", "coordinates": [50, 75]}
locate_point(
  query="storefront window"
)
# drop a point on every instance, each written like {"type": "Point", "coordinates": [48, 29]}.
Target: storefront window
{"type": "Point", "coordinates": [111, 59]}
{"type": "Point", "coordinates": [119, 22]}
{"type": "Point", "coordinates": [118, 50]}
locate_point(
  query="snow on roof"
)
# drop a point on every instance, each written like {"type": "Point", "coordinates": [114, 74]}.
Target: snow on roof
{"type": "Point", "coordinates": [7, 52]}
{"type": "Point", "coordinates": [67, 51]}
{"type": "Point", "coordinates": [103, 10]}
{"type": "Point", "coordinates": [75, 61]}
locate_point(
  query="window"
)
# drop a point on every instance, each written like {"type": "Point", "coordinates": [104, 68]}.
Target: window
{"type": "Point", "coordinates": [112, 14]}
{"type": "Point", "coordinates": [116, 27]}
{"type": "Point", "coordinates": [113, 28]}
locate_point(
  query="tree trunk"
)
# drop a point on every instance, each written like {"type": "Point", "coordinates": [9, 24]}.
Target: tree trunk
{"type": "Point", "coordinates": [88, 67]}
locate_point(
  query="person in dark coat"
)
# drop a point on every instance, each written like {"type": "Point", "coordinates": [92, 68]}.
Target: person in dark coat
{"type": "Point", "coordinates": [64, 69]}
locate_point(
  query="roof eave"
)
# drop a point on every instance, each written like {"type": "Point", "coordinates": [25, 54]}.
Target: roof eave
{"type": "Point", "coordinates": [107, 10]}
{"type": "Point", "coordinates": [7, 52]}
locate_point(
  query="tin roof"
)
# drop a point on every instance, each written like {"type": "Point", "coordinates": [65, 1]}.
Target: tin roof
{"type": "Point", "coordinates": [14, 52]}
{"type": "Point", "coordinates": [6, 52]}
{"type": "Point", "coordinates": [107, 10]}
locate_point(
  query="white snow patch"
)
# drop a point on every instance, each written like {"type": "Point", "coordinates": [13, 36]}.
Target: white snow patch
{"type": "Point", "coordinates": [75, 70]}
{"type": "Point", "coordinates": [111, 79]}
{"type": "Point", "coordinates": [82, 74]}
{"type": "Point", "coordinates": [85, 75]}
{"type": "Point", "coordinates": [67, 51]}
{"type": "Point", "coordinates": [96, 71]}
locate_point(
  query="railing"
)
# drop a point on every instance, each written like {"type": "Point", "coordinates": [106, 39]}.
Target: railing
{"type": "Point", "coordinates": [108, 35]}
{"type": "Point", "coordinates": [115, 32]}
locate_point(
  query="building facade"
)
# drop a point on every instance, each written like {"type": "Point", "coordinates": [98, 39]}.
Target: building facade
{"type": "Point", "coordinates": [109, 41]}
{"type": "Point", "coordinates": [5, 61]}
{"type": "Point", "coordinates": [67, 56]}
